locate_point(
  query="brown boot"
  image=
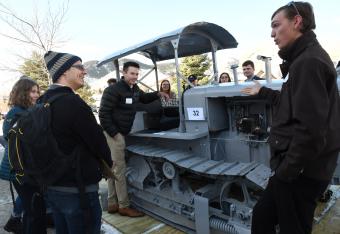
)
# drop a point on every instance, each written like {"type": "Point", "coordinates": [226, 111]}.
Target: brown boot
{"type": "Point", "coordinates": [112, 208]}
{"type": "Point", "coordinates": [127, 211]}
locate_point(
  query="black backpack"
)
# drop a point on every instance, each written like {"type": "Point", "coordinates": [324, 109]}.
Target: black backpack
{"type": "Point", "coordinates": [33, 152]}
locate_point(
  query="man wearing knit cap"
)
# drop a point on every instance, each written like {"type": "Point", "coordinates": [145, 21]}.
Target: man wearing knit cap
{"type": "Point", "coordinates": [76, 131]}
{"type": "Point", "coordinates": [193, 80]}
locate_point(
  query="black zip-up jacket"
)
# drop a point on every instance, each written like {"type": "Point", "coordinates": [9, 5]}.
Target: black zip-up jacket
{"type": "Point", "coordinates": [305, 133]}
{"type": "Point", "coordinates": [118, 107]}
{"type": "Point", "coordinates": [74, 126]}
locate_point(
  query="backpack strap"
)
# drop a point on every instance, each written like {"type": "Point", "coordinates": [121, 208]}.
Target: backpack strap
{"type": "Point", "coordinates": [83, 199]}
{"type": "Point", "coordinates": [55, 97]}
{"type": "Point", "coordinates": [12, 193]}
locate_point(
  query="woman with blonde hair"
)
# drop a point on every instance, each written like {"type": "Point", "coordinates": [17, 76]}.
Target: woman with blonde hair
{"type": "Point", "coordinates": [166, 88]}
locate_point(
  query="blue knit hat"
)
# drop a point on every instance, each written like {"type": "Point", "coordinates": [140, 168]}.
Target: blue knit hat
{"type": "Point", "coordinates": [57, 63]}
{"type": "Point", "coordinates": [192, 78]}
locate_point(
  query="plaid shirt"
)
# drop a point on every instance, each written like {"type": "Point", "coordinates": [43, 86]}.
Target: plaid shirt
{"type": "Point", "coordinates": [173, 101]}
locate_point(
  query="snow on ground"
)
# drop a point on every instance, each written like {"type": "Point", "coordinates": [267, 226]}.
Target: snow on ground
{"type": "Point", "coordinates": [108, 229]}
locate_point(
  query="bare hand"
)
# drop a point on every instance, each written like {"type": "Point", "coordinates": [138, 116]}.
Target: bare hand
{"type": "Point", "coordinates": [252, 90]}
{"type": "Point", "coordinates": [116, 136]}
{"type": "Point", "coordinates": [164, 95]}
{"type": "Point", "coordinates": [106, 170]}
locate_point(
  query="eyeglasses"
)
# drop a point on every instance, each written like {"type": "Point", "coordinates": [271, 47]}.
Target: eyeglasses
{"type": "Point", "coordinates": [79, 66]}
{"type": "Point", "coordinates": [293, 4]}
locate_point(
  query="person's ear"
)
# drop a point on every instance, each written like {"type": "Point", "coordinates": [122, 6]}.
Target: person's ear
{"type": "Point", "coordinates": [298, 22]}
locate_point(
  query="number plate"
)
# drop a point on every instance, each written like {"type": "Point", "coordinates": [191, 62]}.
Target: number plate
{"type": "Point", "coordinates": [195, 113]}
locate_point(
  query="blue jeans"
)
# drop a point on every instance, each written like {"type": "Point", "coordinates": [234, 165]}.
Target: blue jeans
{"type": "Point", "coordinates": [69, 216]}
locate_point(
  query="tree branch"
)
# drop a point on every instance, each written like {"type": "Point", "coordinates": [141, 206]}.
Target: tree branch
{"type": "Point", "coordinates": [40, 33]}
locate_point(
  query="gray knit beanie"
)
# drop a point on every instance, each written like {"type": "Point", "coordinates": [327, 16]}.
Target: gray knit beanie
{"type": "Point", "coordinates": [57, 63]}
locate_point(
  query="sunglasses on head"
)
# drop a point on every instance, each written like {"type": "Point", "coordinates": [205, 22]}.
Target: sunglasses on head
{"type": "Point", "coordinates": [293, 4]}
{"type": "Point", "coordinates": [79, 66]}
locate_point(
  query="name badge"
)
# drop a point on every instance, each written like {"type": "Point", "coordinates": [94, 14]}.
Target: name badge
{"type": "Point", "coordinates": [128, 101]}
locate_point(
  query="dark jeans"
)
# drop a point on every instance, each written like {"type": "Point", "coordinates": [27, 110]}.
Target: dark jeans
{"type": "Point", "coordinates": [34, 216]}
{"type": "Point", "coordinates": [69, 216]}
{"type": "Point", "coordinates": [290, 205]}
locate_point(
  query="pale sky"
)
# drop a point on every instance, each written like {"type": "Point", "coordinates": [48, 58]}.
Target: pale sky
{"type": "Point", "coordinates": [95, 29]}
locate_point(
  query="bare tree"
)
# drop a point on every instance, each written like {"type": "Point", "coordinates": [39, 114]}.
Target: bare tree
{"type": "Point", "coordinates": [38, 33]}
{"type": "Point", "coordinates": [42, 33]}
